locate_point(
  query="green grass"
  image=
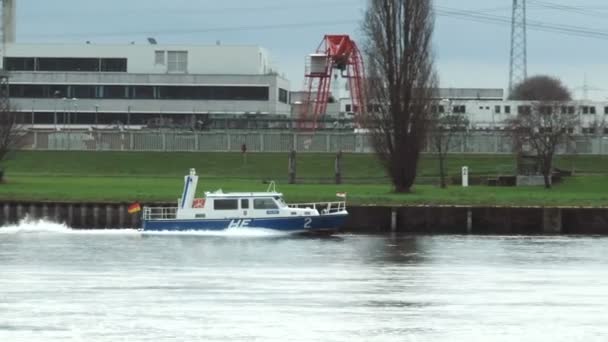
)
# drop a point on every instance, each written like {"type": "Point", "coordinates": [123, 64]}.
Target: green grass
{"type": "Point", "coordinates": [153, 177]}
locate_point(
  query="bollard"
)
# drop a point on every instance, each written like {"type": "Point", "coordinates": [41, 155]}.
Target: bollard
{"type": "Point", "coordinates": [469, 221]}
{"type": "Point", "coordinates": [45, 211]}
{"type": "Point", "coordinates": [465, 177]}
{"type": "Point", "coordinates": [393, 220]}
{"type": "Point", "coordinates": [32, 213]}
{"type": "Point", "coordinates": [95, 216]}
{"type": "Point", "coordinates": [70, 222]}
{"type": "Point", "coordinates": [7, 213]}
{"type": "Point", "coordinates": [83, 216]}
{"type": "Point", "coordinates": [57, 214]}
{"type": "Point", "coordinates": [19, 213]}
{"type": "Point", "coordinates": [121, 216]}
{"type": "Point", "coordinates": [109, 216]}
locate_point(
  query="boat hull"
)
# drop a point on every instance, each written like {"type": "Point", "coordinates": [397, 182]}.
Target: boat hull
{"type": "Point", "coordinates": [285, 224]}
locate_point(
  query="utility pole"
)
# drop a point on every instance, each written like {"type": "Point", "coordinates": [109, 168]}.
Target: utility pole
{"type": "Point", "coordinates": [7, 30]}
{"type": "Point", "coordinates": [518, 70]}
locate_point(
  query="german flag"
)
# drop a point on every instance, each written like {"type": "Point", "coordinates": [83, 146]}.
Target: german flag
{"type": "Point", "coordinates": [134, 208]}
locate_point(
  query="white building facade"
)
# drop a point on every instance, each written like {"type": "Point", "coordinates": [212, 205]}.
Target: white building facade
{"type": "Point", "coordinates": [110, 86]}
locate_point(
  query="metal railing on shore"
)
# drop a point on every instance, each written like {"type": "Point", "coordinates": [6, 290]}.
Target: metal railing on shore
{"type": "Point", "coordinates": [491, 142]}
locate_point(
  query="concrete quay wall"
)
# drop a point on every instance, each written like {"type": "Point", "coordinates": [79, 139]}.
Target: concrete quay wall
{"type": "Point", "coordinates": [362, 219]}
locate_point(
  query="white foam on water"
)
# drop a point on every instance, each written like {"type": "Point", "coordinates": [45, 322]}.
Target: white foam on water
{"type": "Point", "coordinates": [27, 225]}
{"type": "Point", "coordinates": [31, 226]}
{"type": "Point", "coordinates": [231, 232]}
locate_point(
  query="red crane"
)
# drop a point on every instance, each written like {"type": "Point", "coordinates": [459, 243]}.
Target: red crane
{"type": "Point", "coordinates": [336, 52]}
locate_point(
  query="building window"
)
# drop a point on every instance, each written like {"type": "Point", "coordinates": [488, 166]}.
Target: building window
{"type": "Point", "coordinates": [159, 57]}
{"type": "Point", "coordinates": [589, 130]}
{"type": "Point", "coordinates": [83, 91]}
{"type": "Point", "coordinates": [226, 204]}
{"type": "Point", "coordinates": [460, 109]}
{"type": "Point", "coordinates": [264, 203]}
{"type": "Point", "coordinates": [283, 96]}
{"type": "Point", "coordinates": [19, 64]}
{"type": "Point", "coordinates": [497, 109]}
{"type": "Point", "coordinates": [69, 64]}
{"type": "Point", "coordinates": [524, 110]}
{"type": "Point", "coordinates": [114, 65]}
{"type": "Point", "coordinates": [507, 109]}
{"type": "Point", "coordinates": [177, 61]}
{"type": "Point", "coordinates": [142, 92]}
{"type": "Point", "coordinates": [570, 109]}
{"type": "Point", "coordinates": [26, 90]}
{"type": "Point", "coordinates": [592, 110]}
{"type": "Point", "coordinates": [244, 203]}
{"type": "Point", "coordinates": [115, 92]}
{"type": "Point", "coordinates": [348, 108]}
{"type": "Point", "coordinates": [606, 110]}
{"type": "Point", "coordinates": [585, 109]}
{"type": "Point", "coordinates": [55, 91]}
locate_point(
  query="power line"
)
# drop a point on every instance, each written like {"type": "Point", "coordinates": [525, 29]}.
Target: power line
{"type": "Point", "coordinates": [536, 25]}
{"type": "Point", "coordinates": [207, 30]}
{"type": "Point", "coordinates": [468, 15]}
{"type": "Point", "coordinates": [567, 8]}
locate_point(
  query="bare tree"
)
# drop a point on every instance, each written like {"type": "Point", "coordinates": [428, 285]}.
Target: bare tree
{"type": "Point", "coordinates": [541, 129]}
{"type": "Point", "coordinates": [10, 135]}
{"type": "Point", "coordinates": [401, 80]}
{"type": "Point", "coordinates": [540, 88]}
{"type": "Point", "coordinates": [446, 125]}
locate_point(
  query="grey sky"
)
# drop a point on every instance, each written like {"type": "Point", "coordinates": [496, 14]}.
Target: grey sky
{"type": "Point", "coordinates": [469, 54]}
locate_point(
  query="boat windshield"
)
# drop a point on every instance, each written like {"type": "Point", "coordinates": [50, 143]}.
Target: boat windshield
{"type": "Point", "coordinates": [280, 201]}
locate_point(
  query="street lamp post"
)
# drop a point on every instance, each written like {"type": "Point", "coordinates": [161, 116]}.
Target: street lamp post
{"type": "Point", "coordinates": [65, 106]}
{"type": "Point", "coordinates": [56, 98]}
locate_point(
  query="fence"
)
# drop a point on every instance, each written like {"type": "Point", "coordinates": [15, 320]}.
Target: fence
{"type": "Point", "coordinates": [231, 141]}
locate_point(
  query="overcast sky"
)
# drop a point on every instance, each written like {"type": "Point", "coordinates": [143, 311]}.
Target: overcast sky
{"type": "Point", "coordinates": [469, 53]}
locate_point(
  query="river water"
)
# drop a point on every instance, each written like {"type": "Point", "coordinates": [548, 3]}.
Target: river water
{"type": "Point", "coordinates": [62, 285]}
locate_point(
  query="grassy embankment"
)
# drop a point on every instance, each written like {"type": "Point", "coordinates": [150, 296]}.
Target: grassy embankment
{"type": "Point", "coordinates": [111, 176]}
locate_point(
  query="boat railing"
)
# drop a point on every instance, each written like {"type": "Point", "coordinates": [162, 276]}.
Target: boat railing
{"type": "Point", "coordinates": [324, 208]}
{"type": "Point", "coordinates": [159, 213]}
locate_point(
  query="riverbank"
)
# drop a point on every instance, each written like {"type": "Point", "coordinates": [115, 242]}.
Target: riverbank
{"type": "Point", "coordinates": [362, 219]}
{"type": "Point", "coordinates": [157, 177]}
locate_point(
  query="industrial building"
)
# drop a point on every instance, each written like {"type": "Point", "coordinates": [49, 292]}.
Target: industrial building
{"type": "Point", "coordinates": [138, 85]}
{"type": "Point", "coordinates": [141, 85]}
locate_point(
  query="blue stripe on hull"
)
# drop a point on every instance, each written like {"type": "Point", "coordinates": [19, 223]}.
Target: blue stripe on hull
{"type": "Point", "coordinates": [287, 224]}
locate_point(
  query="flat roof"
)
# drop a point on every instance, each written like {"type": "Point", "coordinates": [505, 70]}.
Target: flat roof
{"type": "Point", "coordinates": [242, 194]}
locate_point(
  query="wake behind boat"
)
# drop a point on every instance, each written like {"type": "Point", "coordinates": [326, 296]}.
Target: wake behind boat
{"type": "Point", "coordinates": [262, 210]}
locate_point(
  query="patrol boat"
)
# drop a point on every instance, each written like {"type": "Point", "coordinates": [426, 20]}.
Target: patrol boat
{"type": "Point", "coordinates": [260, 210]}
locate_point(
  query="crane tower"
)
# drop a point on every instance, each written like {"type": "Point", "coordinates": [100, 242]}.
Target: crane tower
{"type": "Point", "coordinates": [336, 53]}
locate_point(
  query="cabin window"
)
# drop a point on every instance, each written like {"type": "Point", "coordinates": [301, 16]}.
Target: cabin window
{"type": "Point", "coordinates": [244, 204]}
{"type": "Point", "coordinates": [264, 203]}
{"type": "Point", "coordinates": [226, 204]}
